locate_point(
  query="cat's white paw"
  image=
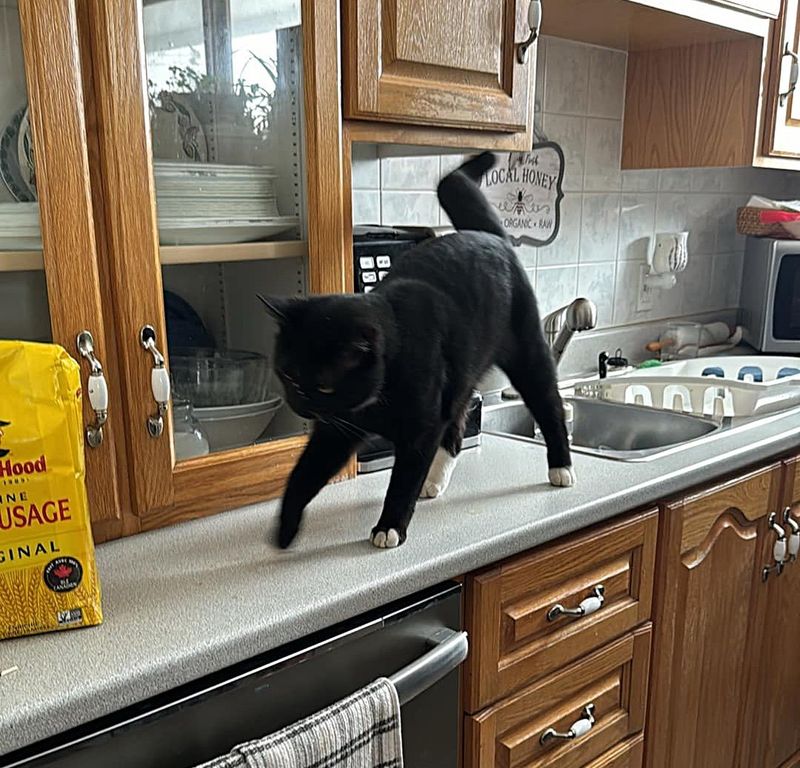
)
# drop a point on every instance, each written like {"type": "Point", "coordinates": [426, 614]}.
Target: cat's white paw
{"type": "Point", "coordinates": [439, 475]}
{"type": "Point", "coordinates": [563, 477]}
{"type": "Point", "coordinates": [386, 539]}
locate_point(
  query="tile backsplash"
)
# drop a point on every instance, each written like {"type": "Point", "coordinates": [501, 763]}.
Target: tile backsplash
{"type": "Point", "coordinates": [609, 216]}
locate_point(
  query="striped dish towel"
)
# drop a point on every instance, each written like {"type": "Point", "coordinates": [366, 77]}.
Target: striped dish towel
{"type": "Point", "coordinates": [361, 731]}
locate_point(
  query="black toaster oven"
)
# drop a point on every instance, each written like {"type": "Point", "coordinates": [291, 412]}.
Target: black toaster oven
{"type": "Point", "coordinates": [375, 250]}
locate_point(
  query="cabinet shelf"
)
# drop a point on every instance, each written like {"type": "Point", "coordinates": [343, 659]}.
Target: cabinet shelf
{"type": "Point", "coordinates": [201, 254]}
{"type": "Point", "coordinates": [21, 261]}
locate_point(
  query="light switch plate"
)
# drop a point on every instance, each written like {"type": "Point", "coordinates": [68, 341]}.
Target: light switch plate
{"type": "Point", "coordinates": [644, 302]}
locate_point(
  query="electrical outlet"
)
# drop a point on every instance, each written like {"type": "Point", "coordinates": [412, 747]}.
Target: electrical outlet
{"type": "Point", "coordinates": [646, 296]}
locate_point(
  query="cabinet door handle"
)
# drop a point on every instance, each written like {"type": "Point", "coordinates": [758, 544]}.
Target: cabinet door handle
{"type": "Point", "coordinates": [159, 381]}
{"type": "Point", "coordinates": [779, 549]}
{"type": "Point", "coordinates": [794, 74]}
{"type": "Point", "coordinates": [97, 389]}
{"type": "Point", "coordinates": [579, 728]}
{"type": "Point", "coordinates": [794, 536]}
{"type": "Point", "coordinates": [588, 606]}
{"type": "Point", "coordinates": [534, 23]}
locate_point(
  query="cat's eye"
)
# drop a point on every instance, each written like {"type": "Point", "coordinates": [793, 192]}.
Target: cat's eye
{"type": "Point", "coordinates": [325, 390]}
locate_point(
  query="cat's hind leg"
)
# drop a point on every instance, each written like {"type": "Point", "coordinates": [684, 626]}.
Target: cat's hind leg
{"type": "Point", "coordinates": [444, 461]}
{"type": "Point", "coordinates": [411, 465]}
{"type": "Point", "coordinates": [530, 367]}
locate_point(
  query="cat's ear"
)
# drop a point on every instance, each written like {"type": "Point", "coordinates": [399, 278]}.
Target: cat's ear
{"type": "Point", "coordinates": [277, 307]}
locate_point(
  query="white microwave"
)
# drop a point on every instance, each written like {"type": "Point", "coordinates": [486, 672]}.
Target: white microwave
{"type": "Point", "coordinates": [770, 298]}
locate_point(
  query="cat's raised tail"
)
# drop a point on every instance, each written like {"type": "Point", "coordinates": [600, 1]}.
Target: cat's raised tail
{"type": "Point", "coordinates": [461, 197]}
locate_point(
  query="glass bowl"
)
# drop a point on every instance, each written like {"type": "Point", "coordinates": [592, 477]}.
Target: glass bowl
{"type": "Point", "coordinates": [212, 378]}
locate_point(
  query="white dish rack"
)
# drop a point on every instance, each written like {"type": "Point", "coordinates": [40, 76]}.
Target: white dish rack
{"type": "Point", "coordinates": [709, 386]}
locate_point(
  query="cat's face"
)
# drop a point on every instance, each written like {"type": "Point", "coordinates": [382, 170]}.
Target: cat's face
{"type": "Point", "coordinates": [328, 354]}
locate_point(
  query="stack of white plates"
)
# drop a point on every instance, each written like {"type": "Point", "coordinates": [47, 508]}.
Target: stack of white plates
{"type": "Point", "coordinates": [19, 227]}
{"type": "Point", "coordinates": [208, 203]}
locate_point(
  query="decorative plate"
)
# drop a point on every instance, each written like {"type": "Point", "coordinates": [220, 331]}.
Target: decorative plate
{"type": "Point", "coordinates": [193, 144]}
{"type": "Point", "coordinates": [10, 171]}
{"type": "Point", "coordinates": [25, 153]}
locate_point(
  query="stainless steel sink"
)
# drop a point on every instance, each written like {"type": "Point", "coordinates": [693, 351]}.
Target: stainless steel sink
{"type": "Point", "coordinates": [603, 428]}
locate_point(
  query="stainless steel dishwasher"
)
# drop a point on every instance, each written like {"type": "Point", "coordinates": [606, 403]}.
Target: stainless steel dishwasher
{"type": "Point", "coordinates": [416, 642]}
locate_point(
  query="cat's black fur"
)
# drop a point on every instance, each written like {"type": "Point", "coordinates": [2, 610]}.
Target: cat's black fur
{"type": "Point", "coordinates": [403, 360]}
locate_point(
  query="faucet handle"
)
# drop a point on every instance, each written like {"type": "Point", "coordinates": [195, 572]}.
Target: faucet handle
{"type": "Point", "coordinates": [605, 362]}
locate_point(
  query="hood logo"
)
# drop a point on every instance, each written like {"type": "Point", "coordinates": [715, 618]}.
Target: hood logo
{"type": "Point", "coordinates": [3, 451]}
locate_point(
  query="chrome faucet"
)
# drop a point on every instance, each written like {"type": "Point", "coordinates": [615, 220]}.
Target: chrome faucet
{"type": "Point", "coordinates": [560, 326]}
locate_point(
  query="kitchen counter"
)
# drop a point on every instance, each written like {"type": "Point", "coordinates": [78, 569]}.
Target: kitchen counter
{"type": "Point", "coordinates": [192, 599]}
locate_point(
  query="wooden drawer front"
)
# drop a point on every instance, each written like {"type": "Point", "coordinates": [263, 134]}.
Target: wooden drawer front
{"type": "Point", "coordinates": [793, 481]}
{"type": "Point", "coordinates": [613, 679]}
{"type": "Point", "coordinates": [514, 643]}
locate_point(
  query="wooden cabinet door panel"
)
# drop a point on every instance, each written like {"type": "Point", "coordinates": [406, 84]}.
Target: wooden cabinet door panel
{"type": "Point", "coordinates": [445, 63]}
{"type": "Point", "coordinates": [613, 680]}
{"type": "Point", "coordinates": [776, 667]}
{"type": "Point", "coordinates": [708, 602]}
{"type": "Point", "coordinates": [783, 140]}
{"type": "Point", "coordinates": [512, 640]}
{"type": "Point", "coordinates": [69, 255]}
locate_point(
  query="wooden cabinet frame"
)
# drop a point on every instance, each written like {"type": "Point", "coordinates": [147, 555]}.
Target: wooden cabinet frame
{"type": "Point", "coordinates": [163, 491]}
{"type": "Point", "coordinates": [55, 96]}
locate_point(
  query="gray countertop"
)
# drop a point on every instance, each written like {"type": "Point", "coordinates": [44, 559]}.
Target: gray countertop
{"type": "Point", "coordinates": [192, 599]}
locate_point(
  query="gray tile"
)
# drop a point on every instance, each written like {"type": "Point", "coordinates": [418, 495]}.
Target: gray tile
{"type": "Point", "coordinates": [603, 155]}
{"type": "Point", "coordinates": [703, 224]}
{"type": "Point", "coordinates": [449, 162]}
{"type": "Point", "coordinates": [410, 173]}
{"type": "Point", "coordinates": [570, 133]}
{"type": "Point", "coordinates": [678, 180]}
{"type": "Point", "coordinates": [555, 287]}
{"type": "Point", "coordinates": [607, 82]}
{"type": "Point", "coordinates": [366, 168]}
{"type": "Point", "coordinates": [566, 247]}
{"type": "Point", "coordinates": [528, 255]}
{"type": "Point", "coordinates": [728, 239]}
{"type": "Point", "coordinates": [637, 220]}
{"type": "Point", "coordinates": [567, 76]}
{"type": "Point", "coordinates": [640, 181]}
{"type": "Point", "coordinates": [672, 212]}
{"type": "Point", "coordinates": [599, 227]}
{"type": "Point", "coordinates": [726, 278]}
{"type": "Point", "coordinates": [694, 284]}
{"type": "Point", "coordinates": [596, 282]}
{"type": "Point", "coordinates": [401, 208]}
{"type": "Point", "coordinates": [709, 179]}
{"type": "Point", "coordinates": [541, 80]}
{"type": "Point", "coordinates": [366, 206]}
{"type": "Point", "coordinates": [626, 292]}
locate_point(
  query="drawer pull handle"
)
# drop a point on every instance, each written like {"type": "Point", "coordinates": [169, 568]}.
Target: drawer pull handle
{"type": "Point", "coordinates": [794, 72]}
{"type": "Point", "coordinates": [588, 606]}
{"type": "Point", "coordinates": [794, 536]}
{"type": "Point", "coordinates": [97, 389]}
{"type": "Point", "coordinates": [159, 381]}
{"type": "Point", "coordinates": [579, 728]}
{"type": "Point", "coordinates": [779, 549]}
{"type": "Point", "coordinates": [534, 23]}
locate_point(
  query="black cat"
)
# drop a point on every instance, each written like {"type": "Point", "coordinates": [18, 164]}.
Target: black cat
{"type": "Point", "coordinates": [403, 360]}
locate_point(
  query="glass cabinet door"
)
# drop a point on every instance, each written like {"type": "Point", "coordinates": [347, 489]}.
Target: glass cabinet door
{"type": "Point", "coordinates": [24, 311]}
{"type": "Point", "coordinates": [225, 95]}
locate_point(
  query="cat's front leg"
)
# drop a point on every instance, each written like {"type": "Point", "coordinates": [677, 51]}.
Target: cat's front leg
{"type": "Point", "coordinates": [411, 465]}
{"type": "Point", "coordinates": [326, 453]}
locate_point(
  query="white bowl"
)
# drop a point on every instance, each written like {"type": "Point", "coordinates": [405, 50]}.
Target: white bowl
{"type": "Point", "coordinates": [236, 426]}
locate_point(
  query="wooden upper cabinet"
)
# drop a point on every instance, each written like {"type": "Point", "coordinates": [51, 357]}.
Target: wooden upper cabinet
{"type": "Point", "coordinates": [220, 160]}
{"type": "Point", "coordinates": [49, 278]}
{"type": "Point", "coordinates": [782, 137]}
{"type": "Point", "coordinates": [445, 63]}
{"type": "Point", "coordinates": [709, 615]}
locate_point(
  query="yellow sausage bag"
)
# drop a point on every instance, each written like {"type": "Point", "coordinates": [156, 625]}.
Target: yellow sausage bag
{"type": "Point", "coordinates": [48, 578]}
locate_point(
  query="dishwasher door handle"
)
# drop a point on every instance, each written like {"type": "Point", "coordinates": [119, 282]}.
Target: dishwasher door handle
{"type": "Point", "coordinates": [450, 649]}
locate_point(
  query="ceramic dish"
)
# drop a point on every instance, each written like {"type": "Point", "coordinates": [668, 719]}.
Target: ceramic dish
{"type": "Point", "coordinates": [195, 231]}
{"type": "Point", "coordinates": [10, 171]}
{"type": "Point", "coordinates": [25, 154]}
{"type": "Point", "coordinates": [236, 426]}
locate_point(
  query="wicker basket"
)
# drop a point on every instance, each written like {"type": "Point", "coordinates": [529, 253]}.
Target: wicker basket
{"type": "Point", "coordinates": [748, 222]}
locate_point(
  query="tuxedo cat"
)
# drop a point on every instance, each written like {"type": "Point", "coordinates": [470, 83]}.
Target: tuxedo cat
{"type": "Point", "coordinates": [403, 360]}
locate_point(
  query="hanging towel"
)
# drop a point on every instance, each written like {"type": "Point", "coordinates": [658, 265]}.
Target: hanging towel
{"type": "Point", "coordinates": [361, 731]}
